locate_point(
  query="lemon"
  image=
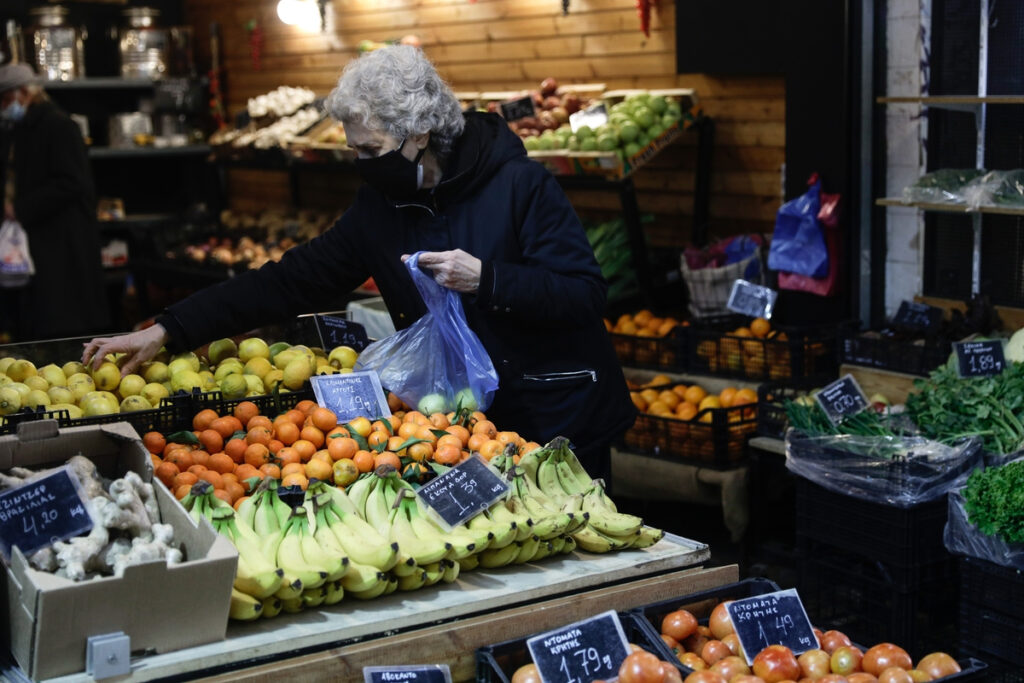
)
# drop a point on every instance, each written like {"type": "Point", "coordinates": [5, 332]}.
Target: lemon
{"type": "Point", "coordinates": [74, 412]}
{"type": "Point", "coordinates": [342, 357]}
{"type": "Point", "coordinates": [5, 380]}
{"type": "Point", "coordinates": [153, 392]}
{"type": "Point", "coordinates": [345, 371]}
{"type": "Point", "coordinates": [19, 370]}
{"type": "Point", "coordinates": [21, 388]}
{"type": "Point", "coordinates": [60, 395]}
{"type": "Point", "coordinates": [37, 398]}
{"type": "Point", "coordinates": [37, 382]}
{"type": "Point", "coordinates": [232, 367]}
{"type": "Point", "coordinates": [193, 360]}
{"type": "Point", "coordinates": [98, 405]}
{"type": "Point", "coordinates": [186, 380]}
{"type": "Point", "coordinates": [297, 372]}
{"type": "Point", "coordinates": [131, 385]}
{"type": "Point", "coordinates": [221, 350]}
{"type": "Point", "coordinates": [272, 379]}
{"type": "Point", "coordinates": [234, 386]}
{"type": "Point", "coordinates": [255, 385]}
{"type": "Point", "coordinates": [285, 357]}
{"type": "Point", "coordinates": [258, 366]}
{"type": "Point", "coordinates": [133, 403]}
{"type": "Point", "coordinates": [179, 364]}
{"type": "Point", "coordinates": [73, 368]}
{"type": "Point", "coordinates": [156, 372]}
{"type": "Point", "coordinates": [107, 376]}
{"type": "Point", "coordinates": [53, 375]}
{"type": "Point", "coordinates": [80, 385]}
{"type": "Point", "coordinates": [253, 347]}
{"type": "Point", "coordinates": [278, 347]}
{"type": "Point", "coordinates": [5, 363]}
{"type": "Point", "coordinates": [321, 361]}
{"type": "Point", "coordinates": [10, 401]}
{"type": "Point", "coordinates": [326, 370]}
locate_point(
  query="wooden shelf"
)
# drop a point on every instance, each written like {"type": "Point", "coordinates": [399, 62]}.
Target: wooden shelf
{"type": "Point", "coordinates": [145, 152]}
{"type": "Point", "coordinates": [101, 83]}
{"type": "Point", "coordinates": [951, 208]}
{"type": "Point", "coordinates": [932, 100]}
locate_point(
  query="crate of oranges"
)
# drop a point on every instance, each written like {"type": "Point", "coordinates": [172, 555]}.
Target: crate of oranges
{"type": "Point", "coordinates": [684, 422]}
{"type": "Point", "coordinates": [646, 340]}
{"type": "Point", "coordinates": [756, 350]}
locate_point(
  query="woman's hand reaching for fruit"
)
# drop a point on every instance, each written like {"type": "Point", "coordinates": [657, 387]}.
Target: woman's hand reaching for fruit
{"type": "Point", "coordinates": [139, 346]}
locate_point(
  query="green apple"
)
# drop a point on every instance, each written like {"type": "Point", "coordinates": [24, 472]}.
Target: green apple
{"type": "Point", "coordinates": [644, 117]}
{"type": "Point", "coordinates": [628, 132]}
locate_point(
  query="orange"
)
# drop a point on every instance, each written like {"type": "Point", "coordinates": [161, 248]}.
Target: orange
{"type": "Point", "coordinates": [680, 390]}
{"type": "Point", "coordinates": [658, 408]}
{"type": "Point", "coordinates": [653, 324]}
{"type": "Point", "coordinates": [760, 327]}
{"type": "Point", "coordinates": [667, 326]}
{"type": "Point", "coordinates": [395, 422]}
{"type": "Point", "coordinates": [221, 462]}
{"type": "Point", "coordinates": [417, 417]}
{"type": "Point", "coordinates": [649, 395]}
{"type": "Point", "coordinates": [387, 458]}
{"type": "Point", "coordinates": [203, 419]}
{"type": "Point", "coordinates": [166, 473]}
{"type": "Point", "coordinates": [305, 448]}
{"type": "Point", "coordinates": [378, 438]}
{"type": "Point", "coordinates": [182, 491]}
{"type": "Point", "coordinates": [236, 449]}
{"type": "Point", "coordinates": [638, 401]}
{"type": "Point", "coordinates": [287, 455]}
{"type": "Point", "coordinates": [318, 469]}
{"type": "Point", "coordinates": [211, 440]}
{"type": "Point", "coordinates": [245, 411]}
{"type": "Point", "coordinates": [185, 479]}
{"type": "Point", "coordinates": [485, 427]}
{"type": "Point", "coordinates": [200, 458]}
{"type": "Point", "coordinates": [607, 324]}
{"type": "Point", "coordinates": [260, 435]}
{"type": "Point", "coordinates": [393, 445]}
{"type": "Point", "coordinates": [287, 433]}
{"type": "Point", "coordinates": [245, 472]}
{"type": "Point", "coordinates": [686, 411]}
{"type": "Point", "coordinates": [293, 467]}
{"type": "Point", "coordinates": [669, 398]}
{"type": "Point", "coordinates": [642, 317]}
{"type": "Point", "coordinates": [295, 416]}
{"type": "Point", "coordinates": [505, 438]}
{"type": "Point", "coordinates": [447, 454]}
{"type": "Point", "coordinates": [296, 479]}
{"type": "Point", "coordinates": [491, 448]}
{"type": "Point", "coordinates": [271, 470]}
{"type": "Point", "coordinates": [439, 421]}
{"type": "Point", "coordinates": [710, 401]}
{"type": "Point", "coordinates": [420, 451]}
{"type": "Point", "coordinates": [339, 431]}
{"type": "Point", "coordinates": [394, 403]}
{"type": "Point", "coordinates": [213, 478]}
{"type": "Point", "coordinates": [426, 434]}
{"type": "Point", "coordinates": [260, 421]}
{"type": "Point", "coordinates": [695, 394]}
{"type": "Point", "coordinates": [236, 424]}
{"type": "Point", "coordinates": [744, 396]}
{"type": "Point", "coordinates": [323, 455]}
{"type": "Point", "coordinates": [305, 406]}
{"type": "Point", "coordinates": [234, 490]}
{"type": "Point", "coordinates": [223, 426]}
{"type": "Point", "coordinates": [476, 441]}
{"type": "Point", "coordinates": [407, 429]}
{"type": "Point", "coordinates": [154, 442]}
{"type": "Point", "coordinates": [342, 447]}
{"type": "Point", "coordinates": [181, 457]}
{"type": "Point", "coordinates": [197, 469]}
{"type": "Point", "coordinates": [363, 461]}
{"type": "Point", "coordinates": [344, 472]}
{"type": "Point", "coordinates": [313, 435]}
{"type": "Point", "coordinates": [527, 447]}
{"type": "Point", "coordinates": [383, 426]}
{"type": "Point", "coordinates": [155, 459]}
{"type": "Point", "coordinates": [742, 332]}
{"type": "Point", "coordinates": [257, 455]}
{"type": "Point", "coordinates": [449, 440]}
{"type": "Point", "coordinates": [238, 503]}
{"type": "Point", "coordinates": [726, 395]}
{"type": "Point", "coordinates": [459, 431]}
{"type": "Point", "coordinates": [229, 476]}
{"type": "Point", "coordinates": [324, 419]}
{"type": "Point", "coordinates": [223, 495]}
{"type": "Point", "coordinates": [275, 446]}
{"type": "Point", "coordinates": [627, 327]}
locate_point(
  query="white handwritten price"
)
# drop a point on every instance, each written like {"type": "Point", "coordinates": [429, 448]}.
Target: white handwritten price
{"type": "Point", "coordinates": [844, 403]}
{"type": "Point", "coordinates": [590, 661]}
{"type": "Point", "coordinates": [43, 519]}
{"type": "Point", "coordinates": [984, 363]}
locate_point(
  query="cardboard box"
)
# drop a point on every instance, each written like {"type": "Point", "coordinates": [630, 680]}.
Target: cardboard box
{"type": "Point", "coordinates": [160, 608]}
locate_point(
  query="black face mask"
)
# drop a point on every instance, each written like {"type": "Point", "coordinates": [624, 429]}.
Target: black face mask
{"type": "Point", "coordinates": [392, 173]}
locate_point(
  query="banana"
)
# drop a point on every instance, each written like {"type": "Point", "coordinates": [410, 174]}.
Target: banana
{"type": "Point", "coordinates": [557, 544]}
{"type": "Point", "coordinates": [271, 607]}
{"type": "Point", "coordinates": [357, 493]}
{"type": "Point", "coordinates": [255, 574]}
{"type": "Point", "coordinates": [414, 581]}
{"type": "Point", "coordinates": [404, 566]}
{"type": "Point", "coordinates": [606, 520]}
{"type": "Point", "coordinates": [244, 607]}
{"type": "Point", "coordinates": [424, 550]}
{"type": "Point", "coordinates": [552, 526]}
{"type": "Point", "coordinates": [544, 548]}
{"type": "Point", "coordinates": [467, 564]}
{"type": "Point", "coordinates": [570, 545]}
{"type": "Point", "coordinates": [527, 550]}
{"type": "Point", "coordinates": [497, 557]}
{"type": "Point", "coordinates": [293, 562]}
{"type": "Point", "coordinates": [591, 541]}
{"type": "Point", "coordinates": [264, 518]}
{"type": "Point", "coordinates": [335, 593]}
{"type": "Point", "coordinates": [583, 479]}
{"type": "Point", "coordinates": [314, 597]}
{"type": "Point", "coordinates": [501, 533]}
{"type": "Point", "coordinates": [619, 541]}
{"type": "Point", "coordinates": [247, 510]}
{"type": "Point", "coordinates": [291, 587]}
{"type": "Point", "coordinates": [567, 479]}
{"type": "Point", "coordinates": [391, 586]}
{"type": "Point", "coordinates": [389, 491]}
{"type": "Point", "coordinates": [292, 605]}
{"type": "Point", "coordinates": [599, 485]}
{"type": "Point", "coordinates": [451, 571]}
{"type": "Point", "coordinates": [361, 577]}
{"type": "Point", "coordinates": [334, 564]}
{"type": "Point", "coordinates": [377, 511]}
{"type": "Point", "coordinates": [281, 509]}
{"type": "Point", "coordinates": [530, 462]}
{"type": "Point", "coordinates": [374, 592]}
{"type": "Point", "coordinates": [579, 520]}
{"type": "Point", "coordinates": [523, 519]}
{"type": "Point", "coordinates": [547, 482]}
{"type": "Point", "coordinates": [647, 537]}
{"type": "Point", "coordinates": [360, 541]}
{"type": "Point", "coordinates": [434, 572]}
{"type": "Point", "coordinates": [337, 496]}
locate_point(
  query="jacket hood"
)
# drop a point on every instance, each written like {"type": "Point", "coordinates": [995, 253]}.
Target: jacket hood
{"type": "Point", "coordinates": [485, 145]}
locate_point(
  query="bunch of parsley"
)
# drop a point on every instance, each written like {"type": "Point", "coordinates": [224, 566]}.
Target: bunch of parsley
{"type": "Point", "coordinates": [994, 501]}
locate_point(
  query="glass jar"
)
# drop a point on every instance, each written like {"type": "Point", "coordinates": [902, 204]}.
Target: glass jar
{"type": "Point", "coordinates": [143, 46]}
{"type": "Point", "coordinates": [58, 50]}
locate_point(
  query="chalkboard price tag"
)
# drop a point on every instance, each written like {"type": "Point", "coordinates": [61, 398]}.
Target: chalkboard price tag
{"type": "Point", "coordinates": [37, 514]}
{"type": "Point", "coordinates": [514, 110]}
{"type": "Point", "coordinates": [335, 331]}
{"type": "Point", "coordinates": [980, 358]}
{"type": "Point", "coordinates": [918, 317]}
{"type": "Point", "coordinates": [772, 619]}
{"type": "Point", "coordinates": [463, 492]}
{"type": "Point", "coordinates": [351, 395]}
{"type": "Point", "coordinates": [436, 673]}
{"type": "Point", "coordinates": [592, 117]}
{"type": "Point", "coordinates": [581, 652]}
{"type": "Point", "coordinates": [842, 398]}
{"type": "Point", "coordinates": [753, 300]}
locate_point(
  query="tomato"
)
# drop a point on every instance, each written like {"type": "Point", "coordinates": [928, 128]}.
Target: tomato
{"type": "Point", "coordinates": [673, 645]}
{"type": "Point", "coordinates": [919, 676]}
{"type": "Point", "coordinates": [833, 678]}
{"type": "Point", "coordinates": [705, 677]}
{"type": "Point", "coordinates": [732, 641]}
{"type": "Point", "coordinates": [641, 667]}
{"type": "Point", "coordinates": [713, 651]}
{"type": "Point", "coordinates": [730, 667]}
{"type": "Point", "coordinates": [679, 624]}
{"type": "Point", "coordinates": [845, 660]}
{"type": "Point", "coordinates": [894, 674]}
{"type": "Point", "coordinates": [830, 640]}
{"type": "Point", "coordinates": [814, 664]}
{"type": "Point", "coordinates": [694, 643]}
{"type": "Point", "coordinates": [885, 655]}
{"type": "Point", "coordinates": [938, 664]}
{"type": "Point", "coordinates": [527, 673]}
{"type": "Point", "coordinates": [776, 663]}
{"type": "Point", "coordinates": [861, 677]}
{"type": "Point", "coordinates": [747, 678]}
{"type": "Point", "coordinates": [693, 661]}
{"type": "Point", "coordinates": [672, 674]}
{"type": "Point", "coordinates": [719, 622]}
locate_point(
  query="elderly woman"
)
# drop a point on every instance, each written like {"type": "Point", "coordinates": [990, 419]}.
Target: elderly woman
{"type": "Point", "coordinates": [495, 226]}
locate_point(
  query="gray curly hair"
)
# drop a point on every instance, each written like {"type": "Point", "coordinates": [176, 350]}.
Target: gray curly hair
{"type": "Point", "coordinates": [397, 89]}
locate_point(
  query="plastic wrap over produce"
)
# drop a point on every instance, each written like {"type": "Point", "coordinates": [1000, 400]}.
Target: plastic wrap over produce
{"type": "Point", "coordinates": [963, 538]}
{"type": "Point", "coordinates": [944, 186]}
{"type": "Point", "coordinates": [896, 470]}
{"type": "Point", "coordinates": [996, 188]}
{"type": "Point", "coordinates": [436, 364]}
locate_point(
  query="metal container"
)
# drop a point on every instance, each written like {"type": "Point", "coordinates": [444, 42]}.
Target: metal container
{"type": "Point", "coordinates": [58, 51]}
{"type": "Point", "coordinates": [144, 47]}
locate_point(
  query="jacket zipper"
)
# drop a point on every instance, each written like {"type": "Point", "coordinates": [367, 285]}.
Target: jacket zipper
{"type": "Point", "coordinates": [559, 376]}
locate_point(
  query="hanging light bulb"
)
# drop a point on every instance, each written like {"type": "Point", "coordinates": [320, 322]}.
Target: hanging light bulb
{"type": "Point", "coordinates": [302, 13]}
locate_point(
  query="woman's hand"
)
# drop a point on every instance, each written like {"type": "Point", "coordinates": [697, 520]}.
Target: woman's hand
{"type": "Point", "coordinates": [140, 347]}
{"type": "Point", "coordinates": [456, 270]}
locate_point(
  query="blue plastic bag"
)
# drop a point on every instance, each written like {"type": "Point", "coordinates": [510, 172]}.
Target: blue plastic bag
{"type": "Point", "coordinates": [436, 364]}
{"type": "Point", "coordinates": [798, 243]}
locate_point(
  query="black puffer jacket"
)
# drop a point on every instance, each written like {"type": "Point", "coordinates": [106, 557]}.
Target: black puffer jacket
{"type": "Point", "coordinates": [538, 309]}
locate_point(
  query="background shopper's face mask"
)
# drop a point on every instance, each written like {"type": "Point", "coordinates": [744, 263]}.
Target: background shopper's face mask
{"type": "Point", "coordinates": [392, 173]}
{"type": "Point", "coordinates": [14, 111]}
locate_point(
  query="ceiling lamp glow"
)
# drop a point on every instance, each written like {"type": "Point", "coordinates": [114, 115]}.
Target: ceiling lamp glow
{"type": "Point", "coordinates": [302, 13]}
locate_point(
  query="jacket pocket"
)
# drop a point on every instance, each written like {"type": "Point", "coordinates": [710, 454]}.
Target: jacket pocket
{"type": "Point", "coordinates": [552, 378]}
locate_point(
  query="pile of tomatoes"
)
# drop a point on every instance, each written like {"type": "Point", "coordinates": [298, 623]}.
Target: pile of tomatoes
{"type": "Point", "coordinates": [714, 654]}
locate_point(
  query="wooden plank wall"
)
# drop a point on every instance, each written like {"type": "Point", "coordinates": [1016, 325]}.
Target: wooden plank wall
{"type": "Point", "coordinates": [511, 44]}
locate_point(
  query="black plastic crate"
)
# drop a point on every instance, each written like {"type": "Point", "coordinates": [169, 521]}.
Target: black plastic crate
{"type": "Point", "coordinates": [985, 585]}
{"type": "Point", "coordinates": [994, 671]}
{"type": "Point", "coordinates": [786, 353]}
{"type": "Point", "coordinates": [992, 636]}
{"type": "Point", "coordinates": [992, 611]}
{"type": "Point", "coordinates": [185, 406]}
{"type": "Point", "coordinates": [872, 601]}
{"type": "Point", "coordinates": [652, 353]}
{"type": "Point", "coordinates": [899, 537]}
{"type": "Point", "coordinates": [771, 409]}
{"type": "Point", "coordinates": [497, 663]}
{"type": "Point", "coordinates": [915, 357]}
{"type": "Point", "coordinates": [715, 438]}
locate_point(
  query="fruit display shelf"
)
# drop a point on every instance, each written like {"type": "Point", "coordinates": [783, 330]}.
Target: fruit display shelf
{"type": "Point", "coordinates": [321, 633]}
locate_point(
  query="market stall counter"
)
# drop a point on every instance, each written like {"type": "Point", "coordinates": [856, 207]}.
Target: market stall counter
{"type": "Point", "coordinates": [442, 625]}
